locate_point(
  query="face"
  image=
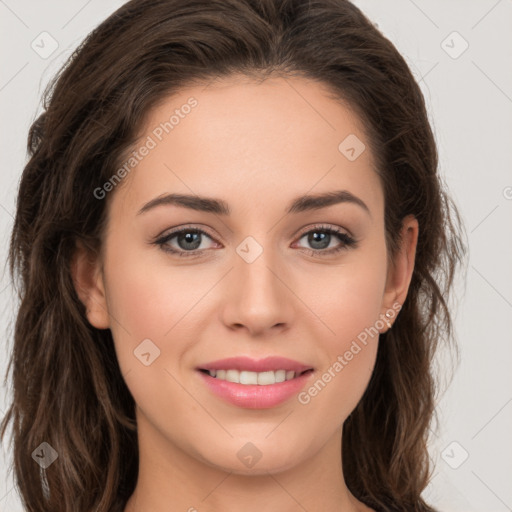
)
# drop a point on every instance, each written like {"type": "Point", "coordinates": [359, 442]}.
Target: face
{"type": "Point", "coordinates": [258, 274]}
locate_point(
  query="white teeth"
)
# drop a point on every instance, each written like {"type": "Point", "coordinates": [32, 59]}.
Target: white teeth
{"type": "Point", "coordinates": [260, 378]}
{"type": "Point", "coordinates": [281, 375]}
{"type": "Point", "coordinates": [248, 377]}
{"type": "Point", "coordinates": [232, 375]}
{"type": "Point", "coordinates": [266, 378]}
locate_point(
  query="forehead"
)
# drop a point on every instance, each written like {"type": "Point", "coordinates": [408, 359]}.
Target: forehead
{"type": "Point", "coordinates": [245, 140]}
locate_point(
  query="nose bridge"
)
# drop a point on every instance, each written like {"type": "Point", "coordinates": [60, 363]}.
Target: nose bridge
{"type": "Point", "coordinates": [256, 269]}
{"type": "Point", "coordinates": [258, 297]}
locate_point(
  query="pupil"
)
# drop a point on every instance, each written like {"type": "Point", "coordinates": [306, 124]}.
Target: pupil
{"type": "Point", "coordinates": [190, 238]}
{"type": "Point", "coordinates": [323, 238]}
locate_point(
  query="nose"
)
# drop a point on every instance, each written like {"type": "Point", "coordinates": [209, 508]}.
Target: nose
{"type": "Point", "coordinates": [258, 296]}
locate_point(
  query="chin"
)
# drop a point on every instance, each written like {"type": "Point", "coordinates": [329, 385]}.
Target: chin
{"type": "Point", "coordinates": [253, 458]}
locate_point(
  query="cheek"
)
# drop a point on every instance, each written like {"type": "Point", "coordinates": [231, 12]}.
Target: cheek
{"type": "Point", "coordinates": [147, 296]}
{"type": "Point", "coordinates": [350, 307]}
{"type": "Point", "coordinates": [151, 302]}
{"type": "Point", "coordinates": [346, 370]}
{"type": "Point", "coordinates": [151, 307]}
{"type": "Point", "coordinates": [351, 300]}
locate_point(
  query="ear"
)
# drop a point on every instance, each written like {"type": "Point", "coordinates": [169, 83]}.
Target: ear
{"type": "Point", "coordinates": [87, 278]}
{"type": "Point", "coordinates": [400, 271]}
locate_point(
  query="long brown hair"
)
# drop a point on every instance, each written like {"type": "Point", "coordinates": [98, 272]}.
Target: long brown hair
{"type": "Point", "coordinates": [68, 390]}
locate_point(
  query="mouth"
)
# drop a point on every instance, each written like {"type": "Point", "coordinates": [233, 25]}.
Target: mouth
{"type": "Point", "coordinates": [255, 383]}
{"type": "Point", "coordinates": [246, 377]}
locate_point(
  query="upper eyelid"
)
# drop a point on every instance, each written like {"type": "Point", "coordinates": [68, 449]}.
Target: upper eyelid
{"type": "Point", "coordinates": [178, 230]}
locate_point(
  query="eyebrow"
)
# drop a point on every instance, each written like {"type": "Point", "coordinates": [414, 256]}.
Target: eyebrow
{"type": "Point", "coordinates": [220, 207]}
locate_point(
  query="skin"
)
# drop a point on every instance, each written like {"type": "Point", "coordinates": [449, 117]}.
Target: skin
{"type": "Point", "coordinates": [256, 146]}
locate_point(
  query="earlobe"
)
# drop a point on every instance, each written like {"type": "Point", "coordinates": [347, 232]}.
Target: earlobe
{"type": "Point", "coordinates": [88, 281]}
{"type": "Point", "coordinates": [400, 272]}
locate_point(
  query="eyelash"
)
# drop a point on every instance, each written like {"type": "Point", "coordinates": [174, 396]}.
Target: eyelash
{"type": "Point", "coordinates": [347, 241]}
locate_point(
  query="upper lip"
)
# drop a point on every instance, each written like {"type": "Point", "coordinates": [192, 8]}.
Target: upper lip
{"type": "Point", "coordinates": [242, 363]}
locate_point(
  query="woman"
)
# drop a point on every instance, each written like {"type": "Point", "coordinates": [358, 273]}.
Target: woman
{"type": "Point", "coordinates": [282, 361]}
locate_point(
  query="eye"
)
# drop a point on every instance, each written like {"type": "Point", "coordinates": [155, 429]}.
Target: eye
{"type": "Point", "coordinates": [188, 240]}
{"type": "Point", "coordinates": [320, 238]}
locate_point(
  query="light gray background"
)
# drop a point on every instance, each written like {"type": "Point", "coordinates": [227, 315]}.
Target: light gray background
{"type": "Point", "coordinates": [470, 105]}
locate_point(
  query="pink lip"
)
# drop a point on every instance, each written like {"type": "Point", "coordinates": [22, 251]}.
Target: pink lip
{"type": "Point", "coordinates": [255, 396]}
{"type": "Point", "coordinates": [251, 396]}
{"type": "Point", "coordinates": [256, 365]}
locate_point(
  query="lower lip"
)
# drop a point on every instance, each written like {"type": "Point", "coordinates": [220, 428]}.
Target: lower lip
{"type": "Point", "coordinates": [252, 396]}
